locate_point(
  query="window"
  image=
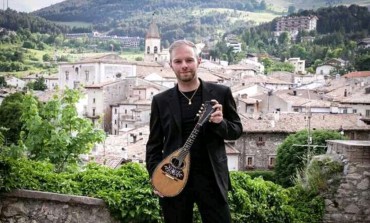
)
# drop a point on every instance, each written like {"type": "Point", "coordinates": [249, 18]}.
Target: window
{"type": "Point", "coordinates": [155, 49]}
{"type": "Point", "coordinates": [345, 111]}
{"type": "Point", "coordinates": [67, 75]}
{"type": "Point", "coordinates": [93, 112]}
{"type": "Point", "coordinates": [260, 141]}
{"type": "Point", "coordinates": [115, 111]}
{"type": "Point", "coordinates": [250, 163]}
{"type": "Point", "coordinates": [272, 160]}
{"type": "Point", "coordinates": [354, 111]}
{"type": "Point", "coordinates": [367, 113]}
{"type": "Point", "coordinates": [87, 75]}
{"type": "Point", "coordinates": [148, 50]}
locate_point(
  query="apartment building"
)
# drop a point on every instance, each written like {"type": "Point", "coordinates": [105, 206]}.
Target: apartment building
{"type": "Point", "coordinates": [296, 23]}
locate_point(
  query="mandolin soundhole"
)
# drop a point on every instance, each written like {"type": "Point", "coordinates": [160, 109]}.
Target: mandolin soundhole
{"type": "Point", "coordinates": [177, 163]}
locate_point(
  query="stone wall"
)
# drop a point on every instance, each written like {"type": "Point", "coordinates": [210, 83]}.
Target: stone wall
{"type": "Point", "coordinates": [260, 147]}
{"type": "Point", "coordinates": [351, 200]}
{"type": "Point", "coordinates": [23, 206]}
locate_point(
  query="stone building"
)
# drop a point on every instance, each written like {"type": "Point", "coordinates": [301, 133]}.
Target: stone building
{"type": "Point", "coordinates": [262, 136]}
{"type": "Point", "coordinates": [350, 201]}
{"type": "Point", "coordinates": [101, 96]}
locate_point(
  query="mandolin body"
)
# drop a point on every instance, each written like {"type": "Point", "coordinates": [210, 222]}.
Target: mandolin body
{"type": "Point", "coordinates": [170, 176]}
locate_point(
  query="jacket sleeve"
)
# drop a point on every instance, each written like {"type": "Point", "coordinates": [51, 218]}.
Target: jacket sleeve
{"type": "Point", "coordinates": [230, 128]}
{"type": "Point", "coordinates": [154, 146]}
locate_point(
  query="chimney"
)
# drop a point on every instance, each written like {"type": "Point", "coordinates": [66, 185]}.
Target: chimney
{"type": "Point", "coordinates": [345, 92]}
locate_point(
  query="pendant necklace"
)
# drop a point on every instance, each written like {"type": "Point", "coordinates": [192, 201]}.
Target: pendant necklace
{"type": "Point", "coordinates": [189, 99]}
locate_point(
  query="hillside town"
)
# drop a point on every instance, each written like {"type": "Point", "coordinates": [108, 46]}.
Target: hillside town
{"type": "Point", "coordinates": [118, 93]}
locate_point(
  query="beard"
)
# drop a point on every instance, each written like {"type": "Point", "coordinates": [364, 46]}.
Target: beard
{"type": "Point", "coordinates": [186, 76]}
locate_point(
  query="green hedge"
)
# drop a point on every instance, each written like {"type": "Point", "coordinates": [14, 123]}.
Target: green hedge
{"type": "Point", "coordinates": [128, 192]}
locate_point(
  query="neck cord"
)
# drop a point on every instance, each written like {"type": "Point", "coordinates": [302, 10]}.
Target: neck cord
{"type": "Point", "coordinates": [189, 99]}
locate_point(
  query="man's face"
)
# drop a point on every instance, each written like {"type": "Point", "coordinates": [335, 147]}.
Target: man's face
{"type": "Point", "coordinates": [184, 63]}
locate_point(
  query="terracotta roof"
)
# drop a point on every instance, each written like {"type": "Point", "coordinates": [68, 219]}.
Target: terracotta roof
{"type": "Point", "coordinates": [294, 122]}
{"type": "Point", "coordinates": [102, 84]}
{"type": "Point", "coordinates": [230, 150]}
{"type": "Point", "coordinates": [112, 147]}
{"type": "Point", "coordinates": [303, 98]}
{"type": "Point", "coordinates": [359, 97]}
{"type": "Point", "coordinates": [153, 31]}
{"type": "Point", "coordinates": [357, 74]}
{"type": "Point", "coordinates": [106, 58]}
{"type": "Point", "coordinates": [145, 70]}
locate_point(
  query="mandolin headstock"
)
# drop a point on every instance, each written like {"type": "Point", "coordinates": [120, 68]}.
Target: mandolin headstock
{"type": "Point", "coordinates": [205, 112]}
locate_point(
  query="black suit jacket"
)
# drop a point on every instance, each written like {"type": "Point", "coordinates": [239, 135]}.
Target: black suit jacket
{"type": "Point", "coordinates": [165, 130]}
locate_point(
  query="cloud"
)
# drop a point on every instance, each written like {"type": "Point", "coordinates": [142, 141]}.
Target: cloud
{"type": "Point", "coordinates": [29, 5]}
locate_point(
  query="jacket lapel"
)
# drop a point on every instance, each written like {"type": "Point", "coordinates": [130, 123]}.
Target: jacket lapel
{"type": "Point", "coordinates": [207, 91]}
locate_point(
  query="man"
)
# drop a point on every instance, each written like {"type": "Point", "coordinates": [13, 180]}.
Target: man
{"type": "Point", "coordinates": [173, 117]}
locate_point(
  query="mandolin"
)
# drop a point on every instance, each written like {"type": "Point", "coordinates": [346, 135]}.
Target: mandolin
{"type": "Point", "coordinates": [171, 174]}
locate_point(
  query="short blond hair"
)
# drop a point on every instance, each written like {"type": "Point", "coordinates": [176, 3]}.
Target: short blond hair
{"type": "Point", "coordinates": [183, 42]}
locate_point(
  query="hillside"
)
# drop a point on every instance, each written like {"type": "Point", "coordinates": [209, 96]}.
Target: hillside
{"type": "Point", "coordinates": [192, 19]}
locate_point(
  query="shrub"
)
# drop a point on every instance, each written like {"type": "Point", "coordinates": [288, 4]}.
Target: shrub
{"type": "Point", "coordinates": [128, 192]}
{"type": "Point", "coordinates": [292, 153]}
{"type": "Point", "coordinates": [266, 175]}
{"type": "Point", "coordinates": [258, 201]}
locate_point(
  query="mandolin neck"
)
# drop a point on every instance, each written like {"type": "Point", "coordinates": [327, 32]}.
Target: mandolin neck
{"type": "Point", "coordinates": [193, 135]}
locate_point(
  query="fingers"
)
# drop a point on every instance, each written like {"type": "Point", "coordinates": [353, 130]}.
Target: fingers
{"type": "Point", "coordinates": [217, 116]}
{"type": "Point", "coordinates": [158, 193]}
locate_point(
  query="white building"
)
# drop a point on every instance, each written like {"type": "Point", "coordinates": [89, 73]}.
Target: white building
{"type": "Point", "coordinates": [15, 82]}
{"type": "Point", "coordinates": [95, 70]}
{"type": "Point", "coordinates": [299, 65]}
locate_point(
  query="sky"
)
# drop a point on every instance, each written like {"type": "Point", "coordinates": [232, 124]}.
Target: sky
{"type": "Point", "coordinates": [27, 5]}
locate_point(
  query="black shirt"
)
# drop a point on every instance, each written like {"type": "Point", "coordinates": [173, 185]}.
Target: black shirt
{"type": "Point", "coordinates": [199, 158]}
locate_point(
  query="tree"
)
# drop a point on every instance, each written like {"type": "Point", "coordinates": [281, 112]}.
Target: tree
{"type": "Point", "coordinates": [39, 84]}
{"type": "Point", "coordinates": [2, 82]}
{"type": "Point", "coordinates": [291, 9]}
{"type": "Point", "coordinates": [10, 113]}
{"type": "Point", "coordinates": [55, 132]}
{"type": "Point", "coordinates": [46, 57]}
{"type": "Point", "coordinates": [284, 38]}
{"type": "Point", "coordinates": [294, 150]}
{"type": "Point", "coordinates": [363, 62]}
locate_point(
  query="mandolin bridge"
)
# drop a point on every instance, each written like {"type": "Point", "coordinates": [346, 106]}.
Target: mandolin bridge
{"type": "Point", "coordinates": [172, 172]}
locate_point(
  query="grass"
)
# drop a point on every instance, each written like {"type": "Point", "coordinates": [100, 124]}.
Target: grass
{"type": "Point", "coordinates": [237, 15]}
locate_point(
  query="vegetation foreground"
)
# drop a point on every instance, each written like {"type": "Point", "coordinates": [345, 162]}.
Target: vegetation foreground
{"type": "Point", "coordinates": [128, 192]}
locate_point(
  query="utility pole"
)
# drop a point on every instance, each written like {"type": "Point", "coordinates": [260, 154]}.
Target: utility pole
{"type": "Point", "coordinates": [309, 139]}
